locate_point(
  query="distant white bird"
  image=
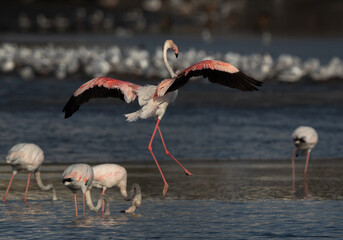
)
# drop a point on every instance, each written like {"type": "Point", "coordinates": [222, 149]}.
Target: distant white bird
{"type": "Point", "coordinates": [113, 175]}
{"type": "Point", "coordinates": [304, 138]}
{"type": "Point", "coordinates": [29, 157]}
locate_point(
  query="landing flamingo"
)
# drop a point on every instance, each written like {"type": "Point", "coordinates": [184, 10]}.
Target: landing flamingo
{"type": "Point", "coordinates": [154, 100]}
{"type": "Point", "coordinates": [113, 175]}
{"type": "Point", "coordinates": [304, 138]}
{"type": "Point", "coordinates": [29, 157]}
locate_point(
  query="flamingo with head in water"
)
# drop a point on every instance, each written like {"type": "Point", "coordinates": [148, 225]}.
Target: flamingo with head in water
{"type": "Point", "coordinates": [154, 100]}
{"type": "Point", "coordinates": [29, 157]}
{"type": "Point", "coordinates": [113, 175]}
{"type": "Point", "coordinates": [80, 176]}
{"type": "Point", "coordinates": [304, 138]}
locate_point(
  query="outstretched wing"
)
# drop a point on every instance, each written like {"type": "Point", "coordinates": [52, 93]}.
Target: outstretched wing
{"type": "Point", "coordinates": [217, 72]}
{"type": "Point", "coordinates": [101, 87]}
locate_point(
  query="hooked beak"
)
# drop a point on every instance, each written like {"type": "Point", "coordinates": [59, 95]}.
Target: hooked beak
{"type": "Point", "coordinates": [66, 181]}
{"type": "Point", "coordinates": [176, 55]}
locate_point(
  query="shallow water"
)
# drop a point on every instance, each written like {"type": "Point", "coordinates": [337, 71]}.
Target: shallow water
{"type": "Point", "coordinates": [201, 219]}
{"type": "Point", "coordinates": [223, 199]}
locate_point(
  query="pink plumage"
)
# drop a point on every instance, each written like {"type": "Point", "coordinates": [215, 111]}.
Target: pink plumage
{"type": "Point", "coordinates": [28, 157]}
{"type": "Point", "coordinates": [78, 177]}
{"type": "Point", "coordinates": [305, 139]}
{"type": "Point", "coordinates": [113, 175]}
{"type": "Point", "coordinates": [154, 100]}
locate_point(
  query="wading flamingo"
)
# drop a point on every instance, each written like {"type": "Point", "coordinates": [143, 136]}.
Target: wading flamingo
{"type": "Point", "coordinates": [304, 138]}
{"type": "Point", "coordinates": [29, 157]}
{"type": "Point", "coordinates": [113, 175]}
{"type": "Point", "coordinates": [78, 176]}
{"type": "Point", "coordinates": [154, 100]}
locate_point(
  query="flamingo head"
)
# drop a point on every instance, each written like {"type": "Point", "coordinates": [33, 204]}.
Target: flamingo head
{"type": "Point", "coordinates": [169, 44]}
{"type": "Point", "coordinates": [67, 181]}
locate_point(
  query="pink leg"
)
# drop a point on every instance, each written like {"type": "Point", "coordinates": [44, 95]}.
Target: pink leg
{"type": "Point", "coordinates": [75, 204]}
{"type": "Point", "coordinates": [293, 168]}
{"type": "Point", "coordinates": [103, 201]}
{"type": "Point", "coordinates": [27, 186]}
{"type": "Point", "coordinates": [306, 191]}
{"type": "Point", "coordinates": [165, 188]}
{"type": "Point", "coordinates": [84, 208]}
{"type": "Point", "coordinates": [307, 159]}
{"type": "Point", "coordinates": [169, 154]}
{"type": "Point", "coordinates": [8, 188]}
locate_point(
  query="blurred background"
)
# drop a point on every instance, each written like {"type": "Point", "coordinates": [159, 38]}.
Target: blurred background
{"type": "Point", "coordinates": [49, 48]}
{"type": "Point", "coordinates": [285, 40]}
{"type": "Point", "coordinates": [223, 17]}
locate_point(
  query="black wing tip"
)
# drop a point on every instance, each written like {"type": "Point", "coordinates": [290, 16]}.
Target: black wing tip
{"type": "Point", "coordinates": [250, 83]}
{"type": "Point", "coordinates": [70, 107]}
{"type": "Point", "coordinates": [67, 115]}
{"type": "Point", "coordinates": [68, 112]}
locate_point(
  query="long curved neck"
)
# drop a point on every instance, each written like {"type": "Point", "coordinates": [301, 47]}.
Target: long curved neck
{"type": "Point", "coordinates": [170, 70]}
{"type": "Point", "coordinates": [135, 195]}
{"type": "Point", "coordinates": [98, 205]}
{"type": "Point", "coordinates": [43, 187]}
{"type": "Point", "coordinates": [90, 202]}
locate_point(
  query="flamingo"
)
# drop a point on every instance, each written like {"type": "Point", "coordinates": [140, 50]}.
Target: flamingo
{"type": "Point", "coordinates": [78, 176]}
{"type": "Point", "coordinates": [29, 157]}
{"type": "Point", "coordinates": [304, 138]}
{"type": "Point", "coordinates": [110, 175]}
{"type": "Point", "coordinates": [154, 100]}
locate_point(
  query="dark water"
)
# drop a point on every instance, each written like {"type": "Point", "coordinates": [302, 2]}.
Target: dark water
{"type": "Point", "coordinates": [205, 122]}
{"type": "Point", "coordinates": [236, 144]}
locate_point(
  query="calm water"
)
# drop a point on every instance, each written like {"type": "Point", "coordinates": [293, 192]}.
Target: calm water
{"type": "Point", "coordinates": [180, 219]}
{"type": "Point", "coordinates": [236, 144]}
{"type": "Point", "coordinates": [222, 200]}
{"type": "Point", "coordinates": [205, 122]}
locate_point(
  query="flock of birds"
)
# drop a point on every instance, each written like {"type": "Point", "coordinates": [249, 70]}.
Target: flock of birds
{"type": "Point", "coordinates": [154, 100]}
{"type": "Point", "coordinates": [29, 157]}
{"type": "Point", "coordinates": [63, 62]}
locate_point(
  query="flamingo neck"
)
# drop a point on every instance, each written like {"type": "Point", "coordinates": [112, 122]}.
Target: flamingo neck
{"type": "Point", "coordinates": [90, 202]}
{"type": "Point", "coordinates": [125, 195]}
{"type": "Point", "coordinates": [166, 63]}
{"type": "Point", "coordinates": [43, 187]}
{"type": "Point", "coordinates": [135, 195]}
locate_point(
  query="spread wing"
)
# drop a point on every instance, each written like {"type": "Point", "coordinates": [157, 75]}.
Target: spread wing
{"type": "Point", "coordinates": [217, 72]}
{"type": "Point", "coordinates": [101, 87]}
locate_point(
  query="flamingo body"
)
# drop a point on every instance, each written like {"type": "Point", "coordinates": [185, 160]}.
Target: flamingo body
{"type": "Point", "coordinates": [305, 138]}
{"type": "Point", "coordinates": [25, 156]}
{"type": "Point", "coordinates": [29, 157]}
{"type": "Point", "coordinates": [109, 175]}
{"type": "Point", "coordinates": [113, 175]}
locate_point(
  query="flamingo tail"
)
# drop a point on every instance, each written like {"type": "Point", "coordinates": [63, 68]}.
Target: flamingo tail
{"type": "Point", "coordinates": [131, 117]}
